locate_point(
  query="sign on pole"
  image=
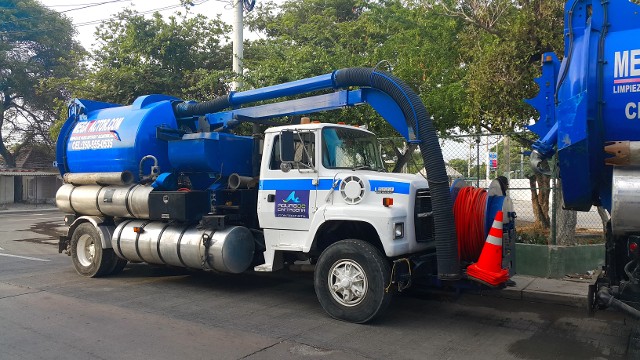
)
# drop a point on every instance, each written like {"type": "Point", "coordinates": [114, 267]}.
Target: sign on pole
{"type": "Point", "coordinates": [493, 160]}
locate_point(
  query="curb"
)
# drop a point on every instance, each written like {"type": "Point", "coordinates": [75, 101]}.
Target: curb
{"type": "Point", "coordinates": [549, 291]}
{"type": "Point", "coordinates": [17, 211]}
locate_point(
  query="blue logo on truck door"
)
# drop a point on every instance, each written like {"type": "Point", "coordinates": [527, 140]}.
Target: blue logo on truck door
{"type": "Point", "coordinates": [292, 204]}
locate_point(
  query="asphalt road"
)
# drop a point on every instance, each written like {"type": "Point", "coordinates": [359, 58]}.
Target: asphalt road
{"type": "Point", "coordinates": [47, 311]}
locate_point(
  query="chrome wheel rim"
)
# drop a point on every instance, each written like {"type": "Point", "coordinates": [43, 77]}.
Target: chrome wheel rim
{"type": "Point", "coordinates": [86, 250]}
{"type": "Point", "coordinates": [347, 282]}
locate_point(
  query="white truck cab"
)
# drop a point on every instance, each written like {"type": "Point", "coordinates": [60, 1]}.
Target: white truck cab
{"type": "Point", "coordinates": [321, 183]}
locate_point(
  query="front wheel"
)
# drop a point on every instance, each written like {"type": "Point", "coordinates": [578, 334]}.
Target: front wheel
{"type": "Point", "coordinates": [88, 256]}
{"type": "Point", "coordinates": [350, 280]}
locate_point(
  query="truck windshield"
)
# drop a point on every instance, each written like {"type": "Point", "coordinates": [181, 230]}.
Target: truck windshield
{"type": "Point", "coordinates": [344, 148]}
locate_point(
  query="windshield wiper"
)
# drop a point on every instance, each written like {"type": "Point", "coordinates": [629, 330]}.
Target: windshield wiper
{"type": "Point", "coordinates": [363, 167]}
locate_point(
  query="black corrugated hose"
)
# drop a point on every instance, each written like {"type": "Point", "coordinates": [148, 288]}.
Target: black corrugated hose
{"type": "Point", "coordinates": [419, 120]}
{"type": "Point", "coordinates": [186, 109]}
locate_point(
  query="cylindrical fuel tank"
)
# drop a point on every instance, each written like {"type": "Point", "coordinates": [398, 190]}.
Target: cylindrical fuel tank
{"type": "Point", "coordinates": [228, 250]}
{"type": "Point", "coordinates": [112, 138]}
{"type": "Point", "coordinates": [625, 195]}
{"type": "Point", "coordinates": [96, 200]}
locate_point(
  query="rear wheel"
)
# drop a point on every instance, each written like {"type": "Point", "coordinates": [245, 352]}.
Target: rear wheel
{"type": "Point", "coordinates": [87, 254]}
{"type": "Point", "coordinates": [350, 280]}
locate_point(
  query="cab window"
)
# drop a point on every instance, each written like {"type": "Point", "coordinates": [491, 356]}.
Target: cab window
{"type": "Point", "coordinates": [304, 151]}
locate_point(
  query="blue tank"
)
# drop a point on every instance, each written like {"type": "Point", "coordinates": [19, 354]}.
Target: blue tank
{"type": "Point", "coordinates": [103, 137]}
{"type": "Point", "coordinates": [592, 98]}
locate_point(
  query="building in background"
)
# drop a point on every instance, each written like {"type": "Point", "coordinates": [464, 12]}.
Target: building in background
{"type": "Point", "coordinates": [34, 180]}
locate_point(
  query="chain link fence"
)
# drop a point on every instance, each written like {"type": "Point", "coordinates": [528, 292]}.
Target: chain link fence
{"type": "Point", "coordinates": [479, 159]}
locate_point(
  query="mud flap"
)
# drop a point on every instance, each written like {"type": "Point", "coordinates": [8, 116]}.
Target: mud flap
{"type": "Point", "coordinates": [63, 244]}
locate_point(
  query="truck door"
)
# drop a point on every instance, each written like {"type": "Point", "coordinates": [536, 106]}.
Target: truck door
{"type": "Point", "coordinates": [287, 194]}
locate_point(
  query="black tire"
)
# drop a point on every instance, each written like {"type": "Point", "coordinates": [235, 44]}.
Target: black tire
{"type": "Point", "coordinates": [88, 256]}
{"type": "Point", "coordinates": [362, 260]}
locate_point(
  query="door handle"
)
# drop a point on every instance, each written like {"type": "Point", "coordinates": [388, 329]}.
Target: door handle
{"type": "Point", "coordinates": [271, 198]}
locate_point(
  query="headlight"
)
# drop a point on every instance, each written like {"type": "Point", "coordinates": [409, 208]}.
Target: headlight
{"type": "Point", "coordinates": [398, 231]}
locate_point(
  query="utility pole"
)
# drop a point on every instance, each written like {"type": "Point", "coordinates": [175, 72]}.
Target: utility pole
{"type": "Point", "coordinates": [238, 49]}
{"type": "Point", "coordinates": [237, 43]}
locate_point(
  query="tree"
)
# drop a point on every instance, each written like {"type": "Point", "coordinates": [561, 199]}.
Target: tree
{"type": "Point", "coordinates": [36, 48]}
{"type": "Point", "coordinates": [502, 45]}
{"type": "Point", "coordinates": [461, 166]}
{"type": "Point", "coordinates": [311, 37]}
{"type": "Point", "coordinates": [181, 56]}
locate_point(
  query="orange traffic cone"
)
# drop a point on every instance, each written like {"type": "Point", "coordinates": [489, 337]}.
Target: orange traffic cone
{"type": "Point", "coordinates": [489, 269]}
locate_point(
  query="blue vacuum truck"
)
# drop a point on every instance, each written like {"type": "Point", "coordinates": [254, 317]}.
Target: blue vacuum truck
{"type": "Point", "coordinates": [166, 181]}
{"type": "Point", "coordinates": [589, 125]}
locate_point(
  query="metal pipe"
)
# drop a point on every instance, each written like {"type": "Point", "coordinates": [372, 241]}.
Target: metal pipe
{"type": "Point", "coordinates": [236, 181]}
{"type": "Point", "coordinates": [107, 178]}
{"type": "Point", "coordinates": [297, 87]}
{"type": "Point", "coordinates": [608, 300]}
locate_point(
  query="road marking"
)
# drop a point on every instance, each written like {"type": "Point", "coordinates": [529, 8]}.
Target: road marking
{"type": "Point", "coordinates": [24, 257]}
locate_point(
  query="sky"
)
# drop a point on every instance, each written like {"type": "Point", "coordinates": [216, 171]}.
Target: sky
{"type": "Point", "coordinates": [108, 8]}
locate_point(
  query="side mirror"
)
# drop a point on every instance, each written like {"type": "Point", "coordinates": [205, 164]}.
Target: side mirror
{"type": "Point", "coordinates": [287, 151]}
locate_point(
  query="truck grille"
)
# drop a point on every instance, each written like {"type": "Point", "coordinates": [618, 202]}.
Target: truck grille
{"type": "Point", "coordinates": [423, 216]}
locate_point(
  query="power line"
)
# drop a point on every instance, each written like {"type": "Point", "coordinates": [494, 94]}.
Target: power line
{"type": "Point", "coordinates": [92, 5]}
{"type": "Point", "coordinates": [98, 21]}
{"type": "Point", "coordinates": [53, 13]}
{"type": "Point", "coordinates": [70, 5]}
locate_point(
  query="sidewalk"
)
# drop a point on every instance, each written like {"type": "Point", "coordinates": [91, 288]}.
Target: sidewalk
{"type": "Point", "coordinates": [570, 292]}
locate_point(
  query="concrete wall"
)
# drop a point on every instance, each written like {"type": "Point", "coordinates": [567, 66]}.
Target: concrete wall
{"type": "Point", "coordinates": [6, 189]}
{"type": "Point", "coordinates": [40, 189]}
{"type": "Point", "coordinates": [558, 261]}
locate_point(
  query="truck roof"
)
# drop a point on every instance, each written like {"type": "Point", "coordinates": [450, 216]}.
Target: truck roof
{"type": "Point", "coordinates": [311, 126]}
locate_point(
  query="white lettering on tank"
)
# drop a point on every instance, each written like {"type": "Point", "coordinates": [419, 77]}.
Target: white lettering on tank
{"type": "Point", "coordinates": [635, 62]}
{"type": "Point", "coordinates": [622, 60]}
{"type": "Point", "coordinates": [631, 111]}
